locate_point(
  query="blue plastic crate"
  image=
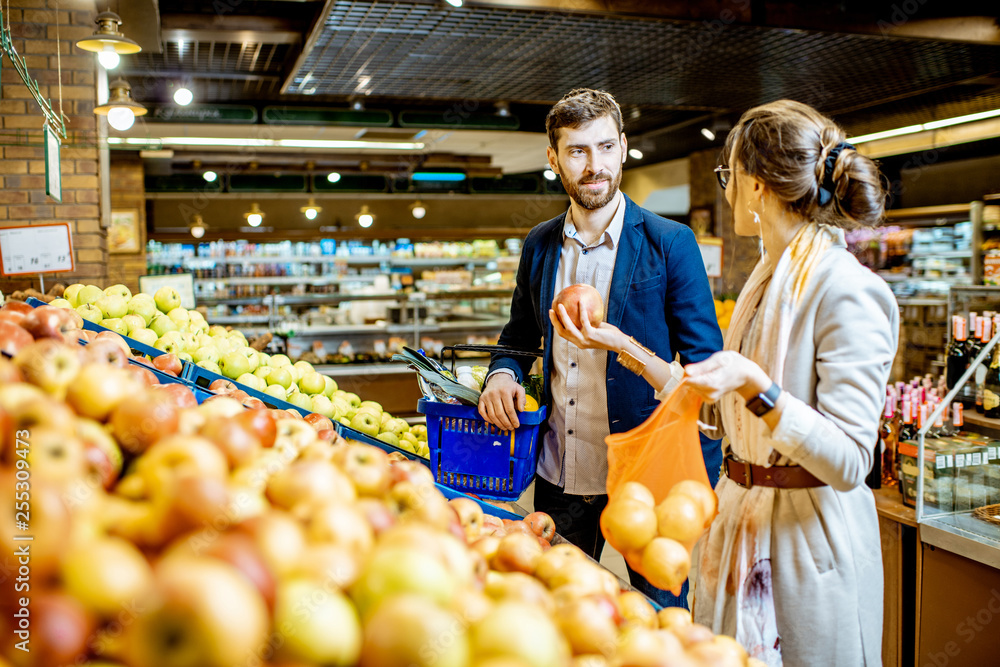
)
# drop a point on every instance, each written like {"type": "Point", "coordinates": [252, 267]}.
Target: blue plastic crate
{"type": "Point", "coordinates": [470, 455]}
{"type": "Point", "coordinates": [492, 510]}
{"type": "Point", "coordinates": [165, 378]}
{"type": "Point", "coordinates": [353, 434]}
{"type": "Point", "coordinates": [199, 377]}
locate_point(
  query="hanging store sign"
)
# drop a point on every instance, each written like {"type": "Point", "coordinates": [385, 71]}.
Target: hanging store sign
{"type": "Point", "coordinates": [53, 172]}
{"type": "Point", "coordinates": [217, 113]}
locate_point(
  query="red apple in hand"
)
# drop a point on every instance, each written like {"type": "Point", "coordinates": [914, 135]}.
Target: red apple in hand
{"type": "Point", "coordinates": [577, 298]}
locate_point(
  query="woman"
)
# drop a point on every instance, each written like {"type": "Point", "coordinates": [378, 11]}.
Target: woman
{"type": "Point", "coordinates": [792, 565]}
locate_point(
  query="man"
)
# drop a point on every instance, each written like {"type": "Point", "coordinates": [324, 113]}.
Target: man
{"type": "Point", "coordinates": [651, 276]}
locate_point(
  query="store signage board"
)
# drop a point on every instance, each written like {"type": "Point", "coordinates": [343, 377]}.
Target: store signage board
{"type": "Point", "coordinates": [36, 249]}
{"type": "Point", "coordinates": [216, 113]}
{"type": "Point", "coordinates": [53, 170]}
{"type": "Point", "coordinates": [711, 254]}
{"type": "Point", "coordinates": [182, 282]}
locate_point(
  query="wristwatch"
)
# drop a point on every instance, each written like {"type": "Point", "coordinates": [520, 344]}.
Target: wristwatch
{"type": "Point", "coordinates": [763, 403]}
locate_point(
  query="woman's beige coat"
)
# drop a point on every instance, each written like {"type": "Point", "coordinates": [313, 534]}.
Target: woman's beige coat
{"type": "Point", "coordinates": [826, 555]}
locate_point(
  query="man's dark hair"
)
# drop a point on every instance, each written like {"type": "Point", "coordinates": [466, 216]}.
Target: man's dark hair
{"type": "Point", "coordinates": [578, 107]}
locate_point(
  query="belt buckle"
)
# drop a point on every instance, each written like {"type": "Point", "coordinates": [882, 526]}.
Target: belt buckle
{"type": "Point", "coordinates": [748, 471]}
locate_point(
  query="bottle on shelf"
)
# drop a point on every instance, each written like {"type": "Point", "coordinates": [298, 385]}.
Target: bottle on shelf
{"type": "Point", "coordinates": [985, 335]}
{"type": "Point", "coordinates": [991, 387]}
{"type": "Point", "coordinates": [907, 432]}
{"type": "Point", "coordinates": [957, 417]}
{"type": "Point", "coordinates": [888, 437]}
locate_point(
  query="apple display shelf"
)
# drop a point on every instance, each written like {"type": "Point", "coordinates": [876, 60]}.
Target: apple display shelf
{"type": "Point", "coordinates": [199, 377]}
{"type": "Point", "coordinates": [166, 378]}
{"type": "Point", "coordinates": [133, 344]}
{"type": "Point", "coordinates": [470, 455]}
{"type": "Point", "coordinates": [349, 433]}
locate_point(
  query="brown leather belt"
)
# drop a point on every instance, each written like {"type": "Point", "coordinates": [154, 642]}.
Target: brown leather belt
{"type": "Point", "coordinates": [749, 475]}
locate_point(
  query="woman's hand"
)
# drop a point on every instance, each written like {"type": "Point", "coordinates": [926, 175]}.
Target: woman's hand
{"type": "Point", "coordinates": [603, 337]}
{"type": "Point", "coordinates": [724, 372]}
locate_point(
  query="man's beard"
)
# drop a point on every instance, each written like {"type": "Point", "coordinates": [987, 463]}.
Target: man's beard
{"type": "Point", "coordinates": [594, 200]}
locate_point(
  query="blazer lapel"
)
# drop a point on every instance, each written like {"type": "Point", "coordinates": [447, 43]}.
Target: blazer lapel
{"type": "Point", "coordinates": [549, 267]}
{"type": "Point", "coordinates": [629, 247]}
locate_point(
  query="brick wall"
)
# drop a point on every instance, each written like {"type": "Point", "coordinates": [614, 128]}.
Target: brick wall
{"type": "Point", "coordinates": [128, 192]}
{"type": "Point", "coordinates": [22, 170]}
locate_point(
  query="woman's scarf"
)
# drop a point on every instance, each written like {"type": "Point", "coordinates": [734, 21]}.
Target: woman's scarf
{"type": "Point", "coordinates": [733, 586]}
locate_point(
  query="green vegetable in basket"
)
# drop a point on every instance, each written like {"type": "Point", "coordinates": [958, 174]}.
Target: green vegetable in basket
{"type": "Point", "coordinates": [479, 373]}
{"type": "Point", "coordinates": [534, 386]}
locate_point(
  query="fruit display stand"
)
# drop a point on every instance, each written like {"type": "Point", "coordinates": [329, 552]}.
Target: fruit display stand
{"type": "Point", "coordinates": [203, 378]}
{"type": "Point", "coordinates": [142, 348]}
{"type": "Point", "coordinates": [349, 433]}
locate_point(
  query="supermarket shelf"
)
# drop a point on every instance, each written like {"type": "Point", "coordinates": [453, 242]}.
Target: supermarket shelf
{"type": "Point", "coordinates": [245, 319]}
{"type": "Point", "coordinates": [921, 301]}
{"type": "Point", "coordinates": [332, 299]}
{"type": "Point", "coordinates": [286, 280]}
{"type": "Point", "coordinates": [948, 254]}
{"type": "Point", "coordinates": [493, 324]}
{"type": "Point", "coordinates": [973, 418]}
{"type": "Point", "coordinates": [361, 370]}
{"type": "Point", "coordinates": [357, 260]}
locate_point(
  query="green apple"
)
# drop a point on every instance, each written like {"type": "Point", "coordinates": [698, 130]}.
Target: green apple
{"type": "Point", "coordinates": [293, 389]}
{"type": "Point", "coordinates": [301, 400]}
{"type": "Point", "coordinates": [144, 308]}
{"type": "Point", "coordinates": [263, 372]}
{"type": "Point", "coordinates": [402, 444]}
{"type": "Point", "coordinates": [389, 438]}
{"type": "Point", "coordinates": [278, 360]}
{"type": "Point", "coordinates": [200, 326]}
{"type": "Point", "coordinates": [304, 367]}
{"type": "Point", "coordinates": [366, 423]}
{"type": "Point", "coordinates": [409, 437]}
{"type": "Point", "coordinates": [265, 359]}
{"type": "Point", "coordinates": [61, 303]}
{"type": "Point", "coordinates": [234, 364]}
{"type": "Point", "coordinates": [209, 366]}
{"type": "Point", "coordinates": [293, 371]}
{"type": "Point", "coordinates": [133, 323]}
{"type": "Point", "coordinates": [353, 399]}
{"type": "Point", "coordinates": [161, 325]}
{"type": "Point", "coordinates": [331, 386]}
{"type": "Point", "coordinates": [185, 356]}
{"type": "Point", "coordinates": [170, 342]}
{"type": "Point", "coordinates": [371, 404]}
{"type": "Point", "coordinates": [166, 299]}
{"type": "Point", "coordinates": [420, 430]}
{"type": "Point", "coordinates": [115, 324]}
{"type": "Point", "coordinates": [423, 450]}
{"type": "Point", "coordinates": [280, 376]}
{"type": "Point", "coordinates": [252, 381]}
{"type": "Point", "coordinates": [89, 294]}
{"type": "Point", "coordinates": [90, 312]}
{"type": "Point", "coordinates": [206, 353]}
{"type": "Point", "coordinates": [72, 292]}
{"type": "Point", "coordinates": [217, 330]}
{"type": "Point", "coordinates": [119, 290]}
{"type": "Point", "coordinates": [277, 391]}
{"type": "Point", "coordinates": [345, 421]}
{"type": "Point", "coordinates": [320, 624]}
{"type": "Point", "coordinates": [312, 383]}
{"type": "Point", "coordinates": [113, 307]}
{"type": "Point", "coordinates": [225, 345]}
{"type": "Point", "coordinates": [324, 406]}
{"type": "Point", "coordinates": [146, 336]}
{"type": "Point", "coordinates": [396, 426]}
{"type": "Point", "coordinates": [343, 407]}
{"type": "Point", "coordinates": [252, 356]}
{"type": "Point", "coordinates": [179, 316]}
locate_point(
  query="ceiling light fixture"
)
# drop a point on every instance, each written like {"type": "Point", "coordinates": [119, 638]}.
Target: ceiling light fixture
{"type": "Point", "coordinates": [198, 227]}
{"type": "Point", "coordinates": [120, 108]}
{"type": "Point", "coordinates": [635, 153]}
{"type": "Point", "coordinates": [210, 176]}
{"type": "Point", "coordinates": [357, 105]}
{"type": "Point", "coordinates": [183, 96]}
{"type": "Point", "coordinates": [254, 216]}
{"type": "Point", "coordinates": [503, 109]}
{"type": "Point", "coordinates": [107, 42]}
{"type": "Point", "coordinates": [708, 134]}
{"type": "Point", "coordinates": [418, 209]}
{"type": "Point", "coordinates": [454, 3]}
{"type": "Point", "coordinates": [333, 177]}
{"type": "Point", "coordinates": [932, 125]}
{"type": "Point", "coordinates": [311, 210]}
{"type": "Point", "coordinates": [549, 175]}
{"type": "Point", "coordinates": [365, 217]}
{"type": "Point", "coordinates": [438, 176]}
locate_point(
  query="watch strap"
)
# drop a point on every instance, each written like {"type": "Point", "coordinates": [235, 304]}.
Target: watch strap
{"type": "Point", "coordinates": [763, 403]}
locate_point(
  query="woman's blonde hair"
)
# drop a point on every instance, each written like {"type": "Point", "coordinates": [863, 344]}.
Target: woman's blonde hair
{"type": "Point", "coordinates": [801, 155]}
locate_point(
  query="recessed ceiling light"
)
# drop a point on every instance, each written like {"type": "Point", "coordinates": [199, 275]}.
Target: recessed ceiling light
{"type": "Point", "coordinates": [454, 3]}
{"type": "Point", "coordinates": [708, 134]}
{"type": "Point", "coordinates": [549, 175]}
{"type": "Point", "coordinates": [365, 217]}
{"type": "Point", "coordinates": [635, 153]}
{"type": "Point", "coordinates": [333, 177]}
{"type": "Point", "coordinates": [183, 96]}
{"type": "Point", "coordinates": [210, 176]}
{"type": "Point", "coordinates": [418, 209]}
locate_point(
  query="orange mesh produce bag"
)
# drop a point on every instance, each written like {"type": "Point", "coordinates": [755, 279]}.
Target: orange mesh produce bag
{"type": "Point", "coordinates": [663, 450]}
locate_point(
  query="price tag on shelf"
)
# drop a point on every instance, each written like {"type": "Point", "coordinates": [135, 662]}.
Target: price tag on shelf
{"type": "Point", "coordinates": [959, 460]}
{"type": "Point", "coordinates": [991, 453]}
{"type": "Point", "coordinates": [36, 249]}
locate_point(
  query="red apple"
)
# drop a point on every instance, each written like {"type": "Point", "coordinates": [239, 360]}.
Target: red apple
{"type": "Point", "coordinates": [470, 516]}
{"type": "Point", "coordinates": [116, 338]}
{"type": "Point", "coordinates": [49, 322]}
{"type": "Point", "coordinates": [12, 316]}
{"type": "Point", "coordinates": [98, 389]}
{"type": "Point", "coordinates": [142, 420]}
{"type": "Point", "coordinates": [377, 512]}
{"type": "Point", "coordinates": [517, 552]}
{"type": "Point", "coordinates": [310, 482]}
{"type": "Point", "coordinates": [13, 338]}
{"type": "Point", "coordinates": [107, 352]}
{"type": "Point", "coordinates": [542, 525]}
{"type": "Point", "coordinates": [142, 375]}
{"type": "Point", "coordinates": [588, 627]}
{"type": "Point", "coordinates": [516, 526]}
{"type": "Point", "coordinates": [237, 549]}
{"type": "Point", "coordinates": [251, 403]}
{"type": "Point", "coordinates": [9, 373]}
{"type": "Point", "coordinates": [234, 437]}
{"type": "Point", "coordinates": [103, 455]}
{"type": "Point", "coordinates": [222, 386]}
{"type": "Point", "coordinates": [577, 298]}
{"type": "Point", "coordinates": [181, 395]}
{"type": "Point", "coordinates": [17, 307]}
{"type": "Point", "coordinates": [262, 423]}
{"type": "Point", "coordinates": [168, 363]}
{"type": "Point", "coordinates": [318, 421]}
{"type": "Point", "coordinates": [60, 631]}
{"type": "Point", "coordinates": [341, 525]}
{"type": "Point", "coordinates": [279, 538]}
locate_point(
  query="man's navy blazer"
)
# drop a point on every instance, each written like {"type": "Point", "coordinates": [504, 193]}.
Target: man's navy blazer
{"type": "Point", "coordinates": [659, 294]}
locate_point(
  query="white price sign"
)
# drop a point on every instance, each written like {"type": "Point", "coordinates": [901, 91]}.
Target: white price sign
{"type": "Point", "coordinates": [36, 249]}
